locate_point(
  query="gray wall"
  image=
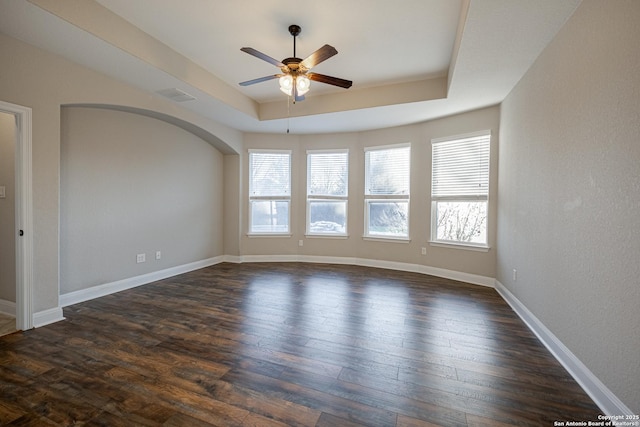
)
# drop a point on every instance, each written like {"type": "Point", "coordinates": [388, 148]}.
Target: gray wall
{"type": "Point", "coordinates": [569, 196]}
{"type": "Point", "coordinates": [7, 209]}
{"type": "Point", "coordinates": [132, 184]}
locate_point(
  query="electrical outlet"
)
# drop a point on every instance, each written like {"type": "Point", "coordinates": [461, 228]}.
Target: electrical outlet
{"type": "Point", "coordinates": [515, 274]}
{"type": "Point", "coordinates": [424, 251]}
{"type": "Point", "coordinates": [300, 242]}
{"type": "Point", "coordinates": [141, 258]}
{"type": "Point", "coordinates": [158, 255]}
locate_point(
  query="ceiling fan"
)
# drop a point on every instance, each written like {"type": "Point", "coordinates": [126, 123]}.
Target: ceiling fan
{"type": "Point", "coordinates": [295, 77]}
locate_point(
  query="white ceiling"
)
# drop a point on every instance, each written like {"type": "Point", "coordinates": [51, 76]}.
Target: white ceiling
{"type": "Point", "coordinates": [410, 60]}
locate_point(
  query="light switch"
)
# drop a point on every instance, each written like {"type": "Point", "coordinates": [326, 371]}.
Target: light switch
{"type": "Point", "coordinates": [2, 192]}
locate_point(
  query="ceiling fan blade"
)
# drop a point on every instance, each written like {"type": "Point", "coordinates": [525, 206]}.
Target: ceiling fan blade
{"type": "Point", "coordinates": [259, 80]}
{"type": "Point", "coordinates": [330, 80]}
{"type": "Point", "coordinates": [322, 54]}
{"type": "Point", "coordinates": [258, 54]}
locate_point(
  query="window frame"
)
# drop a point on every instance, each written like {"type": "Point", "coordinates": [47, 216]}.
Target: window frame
{"type": "Point", "coordinates": [311, 198]}
{"type": "Point", "coordinates": [461, 198]}
{"type": "Point", "coordinates": [284, 197]}
{"type": "Point", "coordinates": [370, 199]}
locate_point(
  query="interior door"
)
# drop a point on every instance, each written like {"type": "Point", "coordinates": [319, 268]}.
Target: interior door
{"type": "Point", "coordinates": [8, 278]}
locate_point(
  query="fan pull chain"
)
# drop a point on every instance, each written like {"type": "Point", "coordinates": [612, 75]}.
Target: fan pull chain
{"type": "Point", "coordinates": [288, 112]}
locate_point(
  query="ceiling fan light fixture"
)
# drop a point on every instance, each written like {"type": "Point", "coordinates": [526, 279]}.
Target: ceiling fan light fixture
{"type": "Point", "coordinates": [286, 84]}
{"type": "Point", "coordinates": [303, 84]}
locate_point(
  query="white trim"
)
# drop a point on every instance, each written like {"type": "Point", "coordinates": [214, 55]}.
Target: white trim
{"type": "Point", "coordinates": [24, 214]}
{"type": "Point", "coordinates": [280, 198]}
{"type": "Point", "coordinates": [473, 279]}
{"type": "Point", "coordinates": [7, 307]}
{"type": "Point", "coordinates": [382, 238]}
{"type": "Point", "coordinates": [601, 395]}
{"type": "Point", "coordinates": [326, 236]}
{"type": "Point", "coordinates": [132, 282]}
{"type": "Point", "coordinates": [320, 259]}
{"type": "Point", "coordinates": [46, 317]}
{"type": "Point", "coordinates": [269, 258]}
{"type": "Point", "coordinates": [388, 197]}
{"type": "Point", "coordinates": [121, 285]}
{"type": "Point", "coordinates": [457, 245]}
{"type": "Point", "coordinates": [298, 258]}
{"type": "Point", "coordinates": [254, 235]}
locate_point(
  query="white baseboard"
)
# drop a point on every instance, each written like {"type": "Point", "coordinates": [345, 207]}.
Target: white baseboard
{"type": "Point", "coordinates": [236, 259]}
{"type": "Point", "coordinates": [132, 282]}
{"type": "Point", "coordinates": [601, 395]}
{"type": "Point", "coordinates": [474, 279]}
{"type": "Point", "coordinates": [46, 317]}
{"type": "Point", "coordinates": [82, 295]}
{"type": "Point", "coordinates": [7, 307]}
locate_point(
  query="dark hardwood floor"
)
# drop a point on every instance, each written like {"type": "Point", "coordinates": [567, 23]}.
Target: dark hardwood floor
{"type": "Point", "coordinates": [288, 344]}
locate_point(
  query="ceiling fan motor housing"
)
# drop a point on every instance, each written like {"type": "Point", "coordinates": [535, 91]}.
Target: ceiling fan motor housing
{"type": "Point", "coordinates": [293, 65]}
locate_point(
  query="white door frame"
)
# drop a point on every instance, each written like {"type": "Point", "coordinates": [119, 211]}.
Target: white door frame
{"type": "Point", "coordinates": [24, 215]}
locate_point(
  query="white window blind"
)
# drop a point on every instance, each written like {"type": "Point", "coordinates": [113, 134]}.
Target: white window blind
{"type": "Point", "coordinates": [387, 170]}
{"type": "Point", "coordinates": [327, 173]}
{"type": "Point", "coordinates": [269, 191]}
{"type": "Point", "coordinates": [460, 167]}
{"type": "Point", "coordinates": [327, 187]}
{"type": "Point", "coordinates": [460, 189]}
{"type": "Point", "coordinates": [386, 193]}
{"type": "Point", "coordinates": [270, 174]}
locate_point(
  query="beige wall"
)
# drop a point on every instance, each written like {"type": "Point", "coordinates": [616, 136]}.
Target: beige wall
{"type": "Point", "coordinates": [45, 82]}
{"type": "Point", "coordinates": [569, 192]}
{"type": "Point", "coordinates": [420, 135]}
{"type": "Point", "coordinates": [132, 184]}
{"type": "Point", "coordinates": [568, 195]}
{"type": "Point", "coordinates": [7, 208]}
{"type": "Point", "coordinates": [232, 204]}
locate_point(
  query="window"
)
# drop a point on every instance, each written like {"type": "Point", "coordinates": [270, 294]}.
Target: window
{"type": "Point", "coordinates": [327, 187]}
{"type": "Point", "coordinates": [386, 194]}
{"type": "Point", "coordinates": [269, 192]}
{"type": "Point", "coordinates": [460, 189]}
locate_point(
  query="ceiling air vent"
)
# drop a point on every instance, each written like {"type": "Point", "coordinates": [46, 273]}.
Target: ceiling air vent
{"type": "Point", "coordinates": [176, 95]}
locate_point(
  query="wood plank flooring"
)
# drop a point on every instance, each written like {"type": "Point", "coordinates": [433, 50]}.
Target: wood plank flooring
{"type": "Point", "coordinates": [288, 344]}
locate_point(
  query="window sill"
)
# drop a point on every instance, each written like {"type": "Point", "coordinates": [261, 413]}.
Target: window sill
{"type": "Point", "coordinates": [452, 245]}
{"type": "Point", "coordinates": [252, 235]}
{"type": "Point", "coordinates": [326, 236]}
{"type": "Point", "coordinates": [387, 239]}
